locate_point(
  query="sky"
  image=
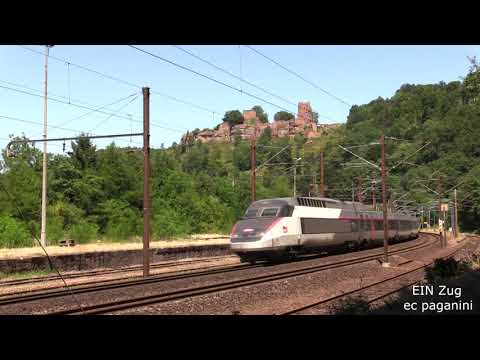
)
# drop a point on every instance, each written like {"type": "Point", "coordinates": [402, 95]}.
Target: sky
{"type": "Point", "coordinates": [356, 74]}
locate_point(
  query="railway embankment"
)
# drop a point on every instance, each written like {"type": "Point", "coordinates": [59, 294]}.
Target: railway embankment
{"type": "Point", "coordinates": [93, 256]}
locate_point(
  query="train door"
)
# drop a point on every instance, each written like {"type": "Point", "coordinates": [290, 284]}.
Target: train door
{"type": "Point", "coordinates": [364, 233]}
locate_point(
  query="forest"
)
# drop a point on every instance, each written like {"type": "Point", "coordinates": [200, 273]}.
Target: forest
{"type": "Point", "coordinates": [96, 194]}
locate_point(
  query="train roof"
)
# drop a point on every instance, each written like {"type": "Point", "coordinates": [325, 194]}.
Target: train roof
{"type": "Point", "coordinates": [328, 203]}
{"type": "Point", "coordinates": [298, 201]}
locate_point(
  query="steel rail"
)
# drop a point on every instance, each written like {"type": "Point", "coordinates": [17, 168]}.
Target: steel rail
{"type": "Point", "coordinates": [228, 285]}
{"type": "Point", "coordinates": [87, 288]}
{"type": "Point", "coordinates": [384, 281]}
{"type": "Point", "coordinates": [133, 268]}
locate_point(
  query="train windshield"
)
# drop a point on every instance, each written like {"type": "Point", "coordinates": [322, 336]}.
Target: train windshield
{"type": "Point", "coordinates": [261, 212]}
{"type": "Point", "coordinates": [269, 212]}
{"type": "Point", "coordinates": [253, 228]}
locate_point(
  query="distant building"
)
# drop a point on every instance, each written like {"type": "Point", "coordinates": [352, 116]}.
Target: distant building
{"type": "Point", "coordinates": [302, 124]}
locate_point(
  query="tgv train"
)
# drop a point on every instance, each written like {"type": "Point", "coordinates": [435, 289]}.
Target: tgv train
{"type": "Point", "coordinates": [282, 227]}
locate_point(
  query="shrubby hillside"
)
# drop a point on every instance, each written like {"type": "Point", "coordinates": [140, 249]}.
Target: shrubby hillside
{"type": "Point", "coordinates": [200, 188]}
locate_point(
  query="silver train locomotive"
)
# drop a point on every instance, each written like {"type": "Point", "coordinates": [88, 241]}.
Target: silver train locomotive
{"type": "Point", "coordinates": [283, 227]}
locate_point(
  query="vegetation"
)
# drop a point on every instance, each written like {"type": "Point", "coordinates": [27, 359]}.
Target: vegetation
{"type": "Point", "coordinates": [283, 115]}
{"type": "Point", "coordinates": [262, 115]}
{"type": "Point", "coordinates": [351, 306]}
{"type": "Point", "coordinates": [233, 117]}
{"type": "Point", "coordinates": [199, 188]}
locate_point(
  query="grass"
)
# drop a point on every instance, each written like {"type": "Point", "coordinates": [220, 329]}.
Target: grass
{"type": "Point", "coordinates": [25, 274]}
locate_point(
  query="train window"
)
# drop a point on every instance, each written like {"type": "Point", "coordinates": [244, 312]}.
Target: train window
{"type": "Point", "coordinates": [251, 213]}
{"type": "Point", "coordinates": [271, 212]}
{"type": "Point", "coordinates": [321, 226]}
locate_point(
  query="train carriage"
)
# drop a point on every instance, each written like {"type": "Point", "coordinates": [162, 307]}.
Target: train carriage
{"type": "Point", "coordinates": [282, 227]}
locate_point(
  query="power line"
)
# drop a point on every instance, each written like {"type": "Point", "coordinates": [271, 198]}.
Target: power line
{"type": "Point", "coordinates": [234, 76]}
{"type": "Point", "coordinates": [125, 82]}
{"type": "Point", "coordinates": [205, 76]}
{"type": "Point", "coordinates": [297, 75]}
{"type": "Point", "coordinates": [110, 116]}
{"type": "Point", "coordinates": [241, 78]}
{"type": "Point", "coordinates": [96, 110]}
{"type": "Point", "coordinates": [210, 78]}
{"type": "Point", "coordinates": [49, 126]}
{"type": "Point", "coordinates": [41, 91]}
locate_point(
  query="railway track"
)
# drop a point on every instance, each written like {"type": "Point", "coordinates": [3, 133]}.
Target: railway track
{"type": "Point", "coordinates": [382, 283]}
{"type": "Point", "coordinates": [37, 279]}
{"type": "Point", "coordinates": [134, 302]}
{"type": "Point", "coordinates": [112, 284]}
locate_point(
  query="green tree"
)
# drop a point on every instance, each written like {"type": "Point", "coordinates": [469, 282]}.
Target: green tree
{"type": "Point", "coordinates": [13, 233]}
{"type": "Point", "coordinates": [262, 115]}
{"type": "Point", "coordinates": [83, 154]}
{"type": "Point", "coordinates": [233, 117]}
{"type": "Point", "coordinates": [283, 115]}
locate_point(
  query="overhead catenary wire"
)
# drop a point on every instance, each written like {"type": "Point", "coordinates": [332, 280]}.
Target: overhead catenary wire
{"type": "Point", "coordinates": [234, 76]}
{"type": "Point", "coordinates": [49, 126]}
{"type": "Point", "coordinates": [49, 93]}
{"type": "Point", "coordinates": [125, 82]}
{"type": "Point", "coordinates": [241, 77]}
{"type": "Point", "coordinates": [173, 63]}
{"type": "Point", "coordinates": [297, 75]}
{"type": "Point", "coordinates": [110, 116]}
{"type": "Point", "coordinates": [96, 110]}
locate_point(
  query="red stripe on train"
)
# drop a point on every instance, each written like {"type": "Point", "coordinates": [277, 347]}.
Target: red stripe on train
{"type": "Point", "coordinates": [372, 219]}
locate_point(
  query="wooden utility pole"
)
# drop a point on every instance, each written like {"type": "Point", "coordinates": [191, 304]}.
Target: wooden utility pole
{"type": "Point", "coordinates": [253, 168]}
{"type": "Point", "coordinates": [146, 182]}
{"type": "Point", "coordinates": [322, 179]}
{"type": "Point", "coordinates": [384, 199]}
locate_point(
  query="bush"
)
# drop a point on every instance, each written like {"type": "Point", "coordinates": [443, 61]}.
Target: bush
{"type": "Point", "coordinates": [69, 213]}
{"type": "Point", "coordinates": [352, 306]}
{"type": "Point", "coordinates": [445, 269]}
{"type": "Point", "coordinates": [119, 231]}
{"type": "Point", "coordinates": [54, 229]}
{"type": "Point", "coordinates": [117, 219]}
{"type": "Point", "coordinates": [13, 233]}
{"type": "Point", "coordinates": [167, 223]}
{"type": "Point", "coordinates": [83, 232]}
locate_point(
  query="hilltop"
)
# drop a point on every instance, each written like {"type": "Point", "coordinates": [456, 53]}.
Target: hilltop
{"type": "Point", "coordinates": [252, 124]}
